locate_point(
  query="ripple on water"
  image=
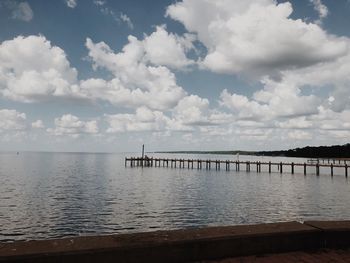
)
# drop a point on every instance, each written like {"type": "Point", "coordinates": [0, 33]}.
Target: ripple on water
{"type": "Point", "coordinates": [46, 195]}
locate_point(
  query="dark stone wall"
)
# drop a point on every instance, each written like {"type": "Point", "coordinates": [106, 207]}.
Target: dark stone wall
{"type": "Point", "coordinates": [183, 245]}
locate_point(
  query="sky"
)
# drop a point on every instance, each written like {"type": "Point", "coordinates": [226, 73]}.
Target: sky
{"type": "Point", "coordinates": [109, 76]}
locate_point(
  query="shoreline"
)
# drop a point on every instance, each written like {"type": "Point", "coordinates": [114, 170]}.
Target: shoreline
{"type": "Point", "coordinates": [209, 243]}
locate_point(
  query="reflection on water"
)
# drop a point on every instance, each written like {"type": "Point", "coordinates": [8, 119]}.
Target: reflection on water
{"type": "Point", "coordinates": [46, 195]}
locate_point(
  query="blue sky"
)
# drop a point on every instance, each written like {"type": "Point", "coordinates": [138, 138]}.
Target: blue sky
{"type": "Point", "coordinates": [108, 76]}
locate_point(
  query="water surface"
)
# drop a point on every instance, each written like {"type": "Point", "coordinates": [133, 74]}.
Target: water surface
{"type": "Point", "coordinates": [49, 195]}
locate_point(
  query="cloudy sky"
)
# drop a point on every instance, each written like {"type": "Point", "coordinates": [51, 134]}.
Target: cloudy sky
{"type": "Point", "coordinates": [107, 76]}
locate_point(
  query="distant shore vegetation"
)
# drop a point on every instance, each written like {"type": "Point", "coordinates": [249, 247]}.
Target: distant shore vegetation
{"type": "Point", "coordinates": [334, 151]}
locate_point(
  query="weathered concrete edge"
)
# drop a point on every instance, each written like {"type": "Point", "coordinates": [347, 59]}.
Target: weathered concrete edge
{"type": "Point", "coordinates": [336, 234]}
{"type": "Point", "coordinates": [183, 245]}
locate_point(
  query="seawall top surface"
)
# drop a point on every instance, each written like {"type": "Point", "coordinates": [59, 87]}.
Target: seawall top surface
{"type": "Point", "coordinates": [330, 225]}
{"type": "Point", "coordinates": [150, 239]}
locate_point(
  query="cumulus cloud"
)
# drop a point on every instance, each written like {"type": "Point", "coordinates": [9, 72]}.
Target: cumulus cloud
{"type": "Point", "coordinates": [334, 75]}
{"type": "Point", "coordinates": [286, 56]}
{"type": "Point", "coordinates": [195, 111]}
{"type": "Point", "coordinates": [192, 110]}
{"type": "Point", "coordinates": [136, 82]}
{"type": "Point", "coordinates": [71, 125]}
{"type": "Point", "coordinates": [99, 2]}
{"type": "Point", "coordinates": [38, 124]}
{"type": "Point", "coordinates": [330, 120]}
{"type": "Point", "coordinates": [299, 135]}
{"type": "Point", "coordinates": [141, 73]}
{"type": "Point", "coordinates": [153, 49]}
{"type": "Point", "coordinates": [31, 70]}
{"type": "Point", "coordinates": [144, 119]}
{"type": "Point", "coordinates": [19, 10]}
{"type": "Point", "coordinates": [320, 8]}
{"type": "Point", "coordinates": [253, 133]}
{"type": "Point", "coordinates": [255, 37]}
{"type": "Point", "coordinates": [291, 60]}
{"type": "Point", "coordinates": [23, 12]}
{"type": "Point", "coordinates": [163, 48]}
{"type": "Point", "coordinates": [276, 99]}
{"type": "Point", "coordinates": [338, 134]}
{"type": "Point", "coordinates": [119, 17]}
{"type": "Point", "coordinates": [123, 17]}
{"type": "Point", "coordinates": [296, 123]}
{"type": "Point", "coordinates": [71, 3]}
{"type": "Point", "coordinates": [12, 120]}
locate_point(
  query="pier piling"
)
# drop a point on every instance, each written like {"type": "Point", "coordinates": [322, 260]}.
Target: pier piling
{"type": "Point", "coordinates": [281, 167]}
{"type": "Point", "coordinates": [332, 170]}
{"type": "Point", "coordinates": [346, 170]}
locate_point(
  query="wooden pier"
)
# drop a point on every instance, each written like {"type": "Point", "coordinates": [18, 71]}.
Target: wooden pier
{"type": "Point", "coordinates": [230, 164]}
{"type": "Point", "coordinates": [328, 160]}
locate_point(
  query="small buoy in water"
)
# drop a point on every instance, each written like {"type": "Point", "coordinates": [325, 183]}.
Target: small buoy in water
{"type": "Point", "coordinates": [17, 153]}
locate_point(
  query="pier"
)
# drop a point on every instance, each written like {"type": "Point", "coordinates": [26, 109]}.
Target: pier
{"type": "Point", "coordinates": [228, 165]}
{"type": "Point", "coordinates": [328, 160]}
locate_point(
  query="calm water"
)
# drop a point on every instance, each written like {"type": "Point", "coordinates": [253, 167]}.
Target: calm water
{"type": "Point", "coordinates": [47, 195]}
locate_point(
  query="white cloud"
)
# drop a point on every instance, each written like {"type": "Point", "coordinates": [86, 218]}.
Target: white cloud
{"type": "Point", "coordinates": [72, 126]}
{"type": "Point", "coordinates": [163, 48]}
{"type": "Point", "coordinates": [289, 57]}
{"type": "Point", "coordinates": [99, 2]}
{"type": "Point", "coordinates": [120, 18]}
{"type": "Point", "coordinates": [252, 133]}
{"type": "Point", "coordinates": [255, 37]}
{"type": "Point", "coordinates": [249, 37]}
{"type": "Point", "coordinates": [22, 11]}
{"type": "Point", "coordinates": [38, 124]}
{"type": "Point", "coordinates": [334, 75]}
{"type": "Point", "coordinates": [123, 17]}
{"type": "Point", "coordinates": [296, 123]}
{"type": "Point", "coordinates": [141, 74]}
{"type": "Point", "coordinates": [144, 119]}
{"type": "Point", "coordinates": [192, 110]}
{"type": "Point", "coordinates": [338, 134]}
{"type": "Point", "coordinates": [299, 135]}
{"type": "Point", "coordinates": [330, 120]}
{"type": "Point", "coordinates": [12, 120]}
{"type": "Point", "coordinates": [31, 70]}
{"type": "Point", "coordinates": [276, 99]}
{"type": "Point", "coordinates": [71, 3]}
{"type": "Point", "coordinates": [191, 113]}
{"type": "Point", "coordinates": [244, 108]}
{"type": "Point", "coordinates": [19, 10]}
{"type": "Point", "coordinates": [136, 82]}
{"type": "Point", "coordinates": [321, 9]}
{"type": "Point", "coordinates": [152, 49]}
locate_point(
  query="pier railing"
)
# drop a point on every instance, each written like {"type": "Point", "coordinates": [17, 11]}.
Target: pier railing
{"type": "Point", "coordinates": [209, 164]}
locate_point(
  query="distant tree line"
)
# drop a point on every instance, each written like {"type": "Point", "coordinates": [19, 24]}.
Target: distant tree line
{"type": "Point", "coordinates": [335, 151]}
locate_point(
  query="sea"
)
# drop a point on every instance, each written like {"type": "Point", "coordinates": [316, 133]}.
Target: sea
{"type": "Point", "coordinates": [54, 195]}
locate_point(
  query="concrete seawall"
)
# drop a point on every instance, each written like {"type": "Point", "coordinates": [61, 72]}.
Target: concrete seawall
{"type": "Point", "coordinates": [184, 245]}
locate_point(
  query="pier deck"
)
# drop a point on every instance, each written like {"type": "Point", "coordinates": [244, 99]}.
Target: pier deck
{"type": "Point", "coordinates": [209, 164]}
